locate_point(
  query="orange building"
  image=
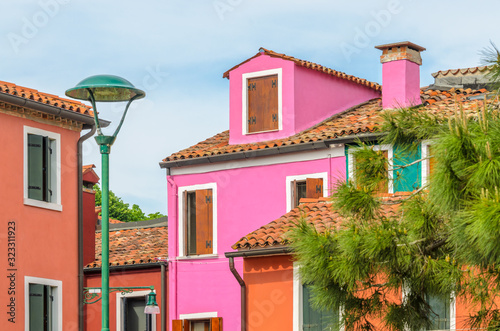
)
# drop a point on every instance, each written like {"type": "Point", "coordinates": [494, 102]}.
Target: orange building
{"type": "Point", "coordinates": [136, 255]}
{"type": "Point", "coordinates": [39, 223]}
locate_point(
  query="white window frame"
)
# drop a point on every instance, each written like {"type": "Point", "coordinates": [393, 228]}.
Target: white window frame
{"type": "Point", "coordinates": [198, 316]}
{"type": "Point", "coordinates": [55, 204]}
{"type": "Point", "coordinates": [119, 307]}
{"type": "Point", "coordinates": [289, 180]}
{"type": "Point", "coordinates": [352, 163]}
{"type": "Point", "coordinates": [57, 311]}
{"type": "Point", "coordinates": [297, 300]}
{"type": "Point", "coordinates": [244, 98]}
{"type": "Point", "coordinates": [180, 224]}
{"type": "Point", "coordinates": [425, 161]}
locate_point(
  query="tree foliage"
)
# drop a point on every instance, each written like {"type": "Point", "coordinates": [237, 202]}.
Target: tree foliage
{"type": "Point", "coordinates": [440, 240]}
{"type": "Point", "coordinates": [122, 211]}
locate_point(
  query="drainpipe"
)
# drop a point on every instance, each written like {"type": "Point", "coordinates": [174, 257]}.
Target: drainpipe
{"type": "Point", "coordinates": [80, 225]}
{"type": "Point", "coordinates": [243, 293]}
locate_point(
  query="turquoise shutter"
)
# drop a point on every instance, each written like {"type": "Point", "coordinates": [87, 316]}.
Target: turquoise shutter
{"type": "Point", "coordinates": [35, 167]}
{"type": "Point", "coordinates": [440, 312]}
{"type": "Point", "coordinates": [315, 320]}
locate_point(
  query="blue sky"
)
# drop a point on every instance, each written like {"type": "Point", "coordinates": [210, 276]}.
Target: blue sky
{"type": "Point", "coordinates": [177, 51]}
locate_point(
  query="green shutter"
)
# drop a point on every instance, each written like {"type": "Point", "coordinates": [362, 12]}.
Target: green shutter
{"type": "Point", "coordinates": [47, 169]}
{"type": "Point", "coordinates": [35, 167]}
{"type": "Point", "coordinates": [37, 301]}
{"type": "Point", "coordinates": [135, 318]}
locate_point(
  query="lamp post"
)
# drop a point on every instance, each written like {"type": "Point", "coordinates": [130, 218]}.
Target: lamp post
{"type": "Point", "coordinates": [105, 88]}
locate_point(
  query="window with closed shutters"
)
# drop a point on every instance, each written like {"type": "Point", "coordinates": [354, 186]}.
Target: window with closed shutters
{"type": "Point", "coordinates": [314, 319]}
{"type": "Point", "coordinates": [198, 222]}
{"type": "Point", "coordinates": [263, 104]}
{"type": "Point", "coordinates": [440, 312]}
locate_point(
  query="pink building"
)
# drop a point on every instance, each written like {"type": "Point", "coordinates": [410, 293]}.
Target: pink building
{"type": "Point", "coordinates": [281, 146]}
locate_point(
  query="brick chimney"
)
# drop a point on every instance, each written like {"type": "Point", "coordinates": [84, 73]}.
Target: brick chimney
{"type": "Point", "coordinates": [400, 74]}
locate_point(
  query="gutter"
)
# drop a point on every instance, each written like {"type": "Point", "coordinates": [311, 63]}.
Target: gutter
{"type": "Point", "coordinates": [87, 120]}
{"type": "Point", "coordinates": [79, 188]}
{"type": "Point", "coordinates": [124, 267]}
{"type": "Point", "coordinates": [269, 151]}
{"type": "Point", "coordinates": [250, 253]}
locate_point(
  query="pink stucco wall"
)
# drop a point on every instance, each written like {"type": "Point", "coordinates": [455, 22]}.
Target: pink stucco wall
{"type": "Point", "coordinates": [319, 96]}
{"type": "Point", "coordinates": [401, 84]}
{"type": "Point", "coordinates": [308, 97]}
{"type": "Point", "coordinates": [247, 198]}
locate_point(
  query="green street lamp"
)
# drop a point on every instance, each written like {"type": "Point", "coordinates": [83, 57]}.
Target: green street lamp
{"type": "Point", "coordinates": [105, 88]}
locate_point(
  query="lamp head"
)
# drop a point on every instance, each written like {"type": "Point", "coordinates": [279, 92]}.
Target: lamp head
{"type": "Point", "coordinates": [105, 88]}
{"type": "Point", "coordinates": [152, 306]}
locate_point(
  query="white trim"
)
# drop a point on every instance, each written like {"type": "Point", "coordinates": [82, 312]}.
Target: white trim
{"type": "Point", "coordinates": [333, 151]}
{"type": "Point", "coordinates": [425, 162]}
{"type": "Point", "coordinates": [119, 307]}
{"type": "Point", "coordinates": [290, 179]}
{"type": "Point", "coordinates": [244, 97]}
{"type": "Point", "coordinates": [388, 148]}
{"type": "Point", "coordinates": [197, 316]}
{"type": "Point", "coordinates": [57, 312]}
{"type": "Point", "coordinates": [56, 175]}
{"type": "Point", "coordinates": [180, 231]}
{"type": "Point", "coordinates": [297, 298]}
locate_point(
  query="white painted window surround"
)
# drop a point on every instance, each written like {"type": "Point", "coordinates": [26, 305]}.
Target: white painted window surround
{"type": "Point", "coordinates": [57, 304]}
{"type": "Point", "coordinates": [352, 163]}
{"type": "Point", "coordinates": [425, 161]}
{"type": "Point", "coordinates": [290, 179]}
{"type": "Point", "coordinates": [120, 305]}
{"type": "Point", "coordinates": [56, 170]}
{"type": "Point", "coordinates": [198, 316]}
{"type": "Point", "coordinates": [244, 97]}
{"type": "Point", "coordinates": [180, 223]}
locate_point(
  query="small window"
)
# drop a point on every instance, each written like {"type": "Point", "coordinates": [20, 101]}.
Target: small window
{"type": "Point", "coordinates": [43, 304]}
{"type": "Point", "coordinates": [308, 188]}
{"type": "Point", "coordinates": [42, 180]}
{"type": "Point", "coordinates": [313, 319]}
{"type": "Point", "coordinates": [440, 312]}
{"type": "Point", "coordinates": [386, 150]}
{"type": "Point", "coordinates": [262, 104]}
{"type": "Point", "coordinates": [209, 324]}
{"type": "Point", "coordinates": [197, 220]}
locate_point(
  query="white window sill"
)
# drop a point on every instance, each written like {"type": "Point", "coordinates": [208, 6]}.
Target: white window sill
{"type": "Point", "coordinates": [42, 204]}
{"type": "Point", "coordinates": [198, 257]}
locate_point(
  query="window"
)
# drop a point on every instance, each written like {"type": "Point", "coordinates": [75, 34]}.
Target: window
{"type": "Point", "coordinates": [198, 322]}
{"type": "Point", "coordinates": [43, 304]}
{"type": "Point", "coordinates": [428, 164]}
{"type": "Point", "coordinates": [262, 101]}
{"type": "Point", "coordinates": [198, 224]}
{"type": "Point", "coordinates": [305, 186]}
{"type": "Point", "coordinates": [130, 312]}
{"type": "Point", "coordinates": [305, 317]}
{"type": "Point", "coordinates": [440, 312]}
{"type": "Point", "coordinates": [41, 168]}
{"type": "Point", "coordinates": [384, 187]}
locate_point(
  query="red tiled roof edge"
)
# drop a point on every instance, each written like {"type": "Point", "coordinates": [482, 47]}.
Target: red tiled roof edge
{"type": "Point", "coordinates": [462, 71]}
{"type": "Point", "coordinates": [312, 66]}
{"type": "Point", "coordinates": [45, 98]}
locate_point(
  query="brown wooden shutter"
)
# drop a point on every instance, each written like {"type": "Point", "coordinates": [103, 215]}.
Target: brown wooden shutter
{"type": "Point", "coordinates": [314, 188]}
{"type": "Point", "coordinates": [204, 219]}
{"type": "Point", "coordinates": [294, 194]}
{"type": "Point", "coordinates": [263, 103]}
{"type": "Point", "coordinates": [177, 325]}
{"type": "Point", "coordinates": [216, 324]}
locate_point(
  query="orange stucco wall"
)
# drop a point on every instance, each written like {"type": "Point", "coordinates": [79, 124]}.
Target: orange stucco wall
{"type": "Point", "coordinates": [45, 240]}
{"type": "Point", "coordinates": [123, 278]}
{"type": "Point", "coordinates": [269, 282]}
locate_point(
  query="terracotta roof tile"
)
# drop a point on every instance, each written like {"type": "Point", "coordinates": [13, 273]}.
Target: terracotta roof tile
{"type": "Point", "coordinates": [317, 212]}
{"type": "Point", "coordinates": [312, 66]}
{"type": "Point", "coordinates": [133, 246]}
{"type": "Point", "coordinates": [364, 118]}
{"type": "Point", "coordinates": [454, 72]}
{"type": "Point", "coordinates": [46, 98]}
